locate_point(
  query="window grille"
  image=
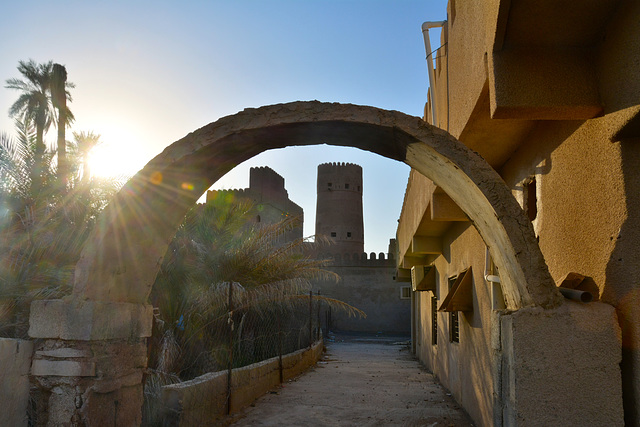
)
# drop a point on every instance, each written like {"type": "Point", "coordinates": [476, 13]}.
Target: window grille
{"type": "Point", "coordinates": [434, 320]}
{"type": "Point", "coordinates": [454, 320]}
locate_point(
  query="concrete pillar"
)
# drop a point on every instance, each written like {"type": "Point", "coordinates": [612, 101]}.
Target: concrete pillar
{"type": "Point", "coordinates": [561, 366]}
{"type": "Point", "coordinates": [15, 361]}
{"type": "Point", "coordinates": [89, 361]}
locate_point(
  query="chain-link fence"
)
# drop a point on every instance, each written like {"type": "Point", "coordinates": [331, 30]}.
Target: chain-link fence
{"type": "Point", "coordinates": [242, 334]}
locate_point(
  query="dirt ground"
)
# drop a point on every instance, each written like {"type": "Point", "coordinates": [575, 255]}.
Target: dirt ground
{"type": "Point", "coordinates": [361, 381]}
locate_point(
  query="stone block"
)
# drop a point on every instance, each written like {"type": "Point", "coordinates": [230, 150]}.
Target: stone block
{"type": "Point", "coordinates": [116, 359]}
{"type": "Point", "coordinates": [15, 361]}
{"type": "Point", "coordinates": [63, 368]}
{"type": "Point", "coordinates": [122, 407]}
{"type": "Point", "coordinates": [61, 406]}
{"type": "Point", "coordinates": [62, 353]}
{"type": "Point", "coordinates": [574, 378]}
{"type": "Point", "coordinates": [89, 320]}
{"type": "Point", "coordinates": [107, 386]}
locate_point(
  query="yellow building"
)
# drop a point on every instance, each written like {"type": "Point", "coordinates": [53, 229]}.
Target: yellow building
{"type": "Point", "coordinates": [548, 92]}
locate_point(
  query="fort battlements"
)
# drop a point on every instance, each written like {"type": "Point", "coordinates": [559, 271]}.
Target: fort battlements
{"type": "Point", "coordinates": [359, 260]}
{"type": "Point", "coordinates": [267, 181]}
{"type": "Point", "coordinates": [338, 164]}
{"type": "Point", "coordinates": [233, 192]}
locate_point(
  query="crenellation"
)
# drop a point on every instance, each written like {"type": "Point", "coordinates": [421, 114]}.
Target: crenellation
{"type": "Point", "coordinates": [360, 260]}
{"type": "Point", "coordinates": [339, 165]}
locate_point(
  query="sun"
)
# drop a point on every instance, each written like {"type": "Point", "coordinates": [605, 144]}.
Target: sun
{"type": "Point", "coordinates": [116, 160]}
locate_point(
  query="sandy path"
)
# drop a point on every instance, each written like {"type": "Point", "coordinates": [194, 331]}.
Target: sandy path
{"type": "Point", "coordinates": [358, 383]}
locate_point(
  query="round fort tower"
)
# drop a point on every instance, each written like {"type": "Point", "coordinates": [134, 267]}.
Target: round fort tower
{"type": "Point", "coordinates": [339, 206]}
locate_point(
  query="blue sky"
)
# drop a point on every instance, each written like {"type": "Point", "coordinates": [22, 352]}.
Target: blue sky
{"type": "Point", "coordinates": [149, 72]}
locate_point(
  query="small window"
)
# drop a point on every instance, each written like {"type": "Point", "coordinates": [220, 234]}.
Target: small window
{"type": "Point", "coordinates": [530, 199]}
{"type": "Point", "coordinates": [329, 184]}
{"type": "Point", "coordinates": [258, 219]}
{"type": "Point", "coordinates": [358, 188]}
{"type": "Point", "coordinates": [434, 320]}
{"type": "Point", "coordinates": [454, 320]}
{"type": "Point", "coordinates": [346, 186]}
{"type": "Point", "coordinates": [333, 234]}
{"type": "Point", "coordinates": [405, 292]}
{"type": "Point", "coordinates": [454, 330]}
{"type": "Point", "coordinates": [348, 234]}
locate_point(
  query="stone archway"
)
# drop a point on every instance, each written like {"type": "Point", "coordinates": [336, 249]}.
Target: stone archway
{"type": "Point", "coordinates": [93, 346]}
{"type": "Point", "coordinates": [121, 259]}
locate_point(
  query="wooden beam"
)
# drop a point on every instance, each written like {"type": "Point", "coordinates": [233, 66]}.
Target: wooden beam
{"type": "Point", "coordinates": [423, 278]}
{"type": "Point", "coordinates": [443, 208]}
{"type": "Point", "coordinates": [403, 275]}
{"type": "Point", "coordinates": [410, 261]}
{"type": "Point", "coordinates": [426, 245]}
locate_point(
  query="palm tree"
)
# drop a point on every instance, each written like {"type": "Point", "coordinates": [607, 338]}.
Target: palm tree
{"type": "Point", "coordinates": [219, 259]}
{"type": "Point", "coordinates": [59, 97]}
{"type": "Point", "coordinates": [34, 252]}
{"type": "Point", "coordinates": [41, 235]}
{"type": "Point", "coordinates": [85, 142]}
{"type": "Point", "coordinates": [224, 287]}
{"type": "Point", "coordinates": [33, 105]}
{"type": "Point", "coordinates": [17, 162]}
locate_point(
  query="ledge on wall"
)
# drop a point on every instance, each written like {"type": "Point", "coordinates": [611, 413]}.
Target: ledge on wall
{"type": "Point", "coordinates": [460, 297]}
{"type": "Point", "coordinates": [423, 278]}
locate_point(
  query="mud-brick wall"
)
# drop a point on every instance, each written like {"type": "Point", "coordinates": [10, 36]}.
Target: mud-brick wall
{"type": "Point", "coordinates": [373, 290]}
{"type": "Point", "coordinates": [203, 400]}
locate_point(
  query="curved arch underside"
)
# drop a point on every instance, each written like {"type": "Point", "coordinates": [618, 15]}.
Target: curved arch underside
{"type": "Point", "coordinates": [122, 257]}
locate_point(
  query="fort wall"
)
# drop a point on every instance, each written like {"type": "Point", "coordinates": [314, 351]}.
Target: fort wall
{"type": "Point", "coordinates": [267, 192]}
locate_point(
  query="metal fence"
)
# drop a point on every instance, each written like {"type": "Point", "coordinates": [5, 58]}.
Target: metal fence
{"type": "Point", "coordinates": [242, 335]}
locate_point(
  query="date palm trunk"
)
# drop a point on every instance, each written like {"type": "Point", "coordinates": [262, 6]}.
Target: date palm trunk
{"type": "Point", "coordinates": [59, 98]}
{"type": "Point", "coordinates": [38, 163]}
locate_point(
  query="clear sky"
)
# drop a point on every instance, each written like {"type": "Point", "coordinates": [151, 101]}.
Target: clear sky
{"type": "Point", "coordinates": [149, 72]}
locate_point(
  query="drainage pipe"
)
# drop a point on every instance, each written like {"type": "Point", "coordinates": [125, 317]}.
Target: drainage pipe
{"type": "Point", "coordinates": [427, 48]}
{"type": "Point", "coordinates": [576, 295]}
{"type": "Point", "coordinates": [497, 299]}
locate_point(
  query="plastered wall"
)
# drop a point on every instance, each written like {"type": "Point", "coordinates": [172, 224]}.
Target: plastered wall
{"type": "Point", "coordinates": [581, 147]}
{"type": "Point", "coordinates": [465, 367]}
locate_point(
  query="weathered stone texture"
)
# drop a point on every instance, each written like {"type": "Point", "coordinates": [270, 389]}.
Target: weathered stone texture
{"type": "Point", "coordinates": [89, 320]}
{"type": "Point", "coordinates": [561, 366]}
{"type": "Point", "coordinates": [63, 368]}
{"type": "Point", "coordinates": [15, 360]}
{"type": "Point", "coordinates": [89, 382]}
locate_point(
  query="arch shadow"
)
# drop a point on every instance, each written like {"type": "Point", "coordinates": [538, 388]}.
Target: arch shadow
{"type": "Point", "coordinates": [122, 257]}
